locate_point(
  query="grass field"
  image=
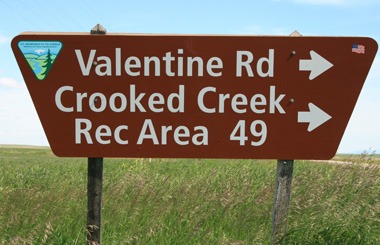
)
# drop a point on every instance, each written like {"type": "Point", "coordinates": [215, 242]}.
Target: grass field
{"type": "Point", "coordinates": [184, 201]}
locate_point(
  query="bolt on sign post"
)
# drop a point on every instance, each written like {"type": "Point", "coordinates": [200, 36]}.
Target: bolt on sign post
{"type": "Point", "coordinates": [193, 96]}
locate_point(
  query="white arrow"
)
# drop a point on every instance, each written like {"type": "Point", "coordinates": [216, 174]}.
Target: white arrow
{"type": "Point", "coordinates": [315, 117]}
{"type": "Point", "coordinates": [316, 65]}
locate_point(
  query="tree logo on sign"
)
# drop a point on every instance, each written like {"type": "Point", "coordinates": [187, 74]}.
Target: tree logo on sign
{"type": "Point", "coordinates": [40, 55]}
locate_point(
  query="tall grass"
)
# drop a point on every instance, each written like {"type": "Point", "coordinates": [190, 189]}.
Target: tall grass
{"type": "Point", "coordinates": [335, 204]}
{"type": "Point", "coordinates": [184, 201]}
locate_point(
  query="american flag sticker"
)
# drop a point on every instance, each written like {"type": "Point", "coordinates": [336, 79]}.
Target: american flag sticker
{"type": "Point", "coordinates": [357, 48]}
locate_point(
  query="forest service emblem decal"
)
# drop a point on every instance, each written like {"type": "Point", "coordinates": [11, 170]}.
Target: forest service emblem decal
{"type": "Point", "coordinates": [40, 55]}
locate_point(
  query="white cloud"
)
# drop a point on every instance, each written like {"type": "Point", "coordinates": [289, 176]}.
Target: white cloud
{"type": "Point", "coordinates": [362, 131]}
{"type": "Point", "coordinates": [337, 2]}
{"type": "Point", "coordinates": [375, 69]}
{"type": "Point", "coordinates": [322, 2]}
{"type": "Point", "coordinates": [4, 39]}
{"type": "Point", "coordinates": [10, 83]}
{"type": "Point", "coordinates": [18, 119]}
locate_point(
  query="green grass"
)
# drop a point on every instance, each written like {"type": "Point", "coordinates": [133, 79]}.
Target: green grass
{"type": "Point", "coordinates": [184, 201]}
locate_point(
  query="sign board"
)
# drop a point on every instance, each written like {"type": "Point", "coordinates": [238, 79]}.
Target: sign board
{"type": "Point", "coordinates": [182, 96]}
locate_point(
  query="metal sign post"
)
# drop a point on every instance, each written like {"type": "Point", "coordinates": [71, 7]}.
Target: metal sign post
{"type": "Point", "coordinates": [95, 187]}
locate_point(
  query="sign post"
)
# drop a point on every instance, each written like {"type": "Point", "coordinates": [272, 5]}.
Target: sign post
{"type": "Point", "coordinates": [95, 187]}
{"type": "Point", "coordinates": [283, 190]}
{"type": "Point", "coordinates": [94, 201]}
{"type": "Point", "coordinates": [284, 178]}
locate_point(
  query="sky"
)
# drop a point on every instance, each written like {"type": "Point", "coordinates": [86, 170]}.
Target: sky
{"type": "Point", "coordinates": [19, 123]}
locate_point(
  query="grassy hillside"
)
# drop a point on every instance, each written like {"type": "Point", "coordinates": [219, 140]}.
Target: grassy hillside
{"type": "Point", "coordinates": [184, 201]}
{"type": "Point", "coordinates": [31, 56]}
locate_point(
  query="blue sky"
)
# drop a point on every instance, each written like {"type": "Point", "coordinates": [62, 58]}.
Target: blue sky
{"type": "Point", "coordinates": [19, 123]}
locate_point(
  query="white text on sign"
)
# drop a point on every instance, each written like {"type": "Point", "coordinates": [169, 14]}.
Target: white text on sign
{"type": "Point", "coordinates": [175, 65]}
{"type": "Point", "coordinates": [170, 64]}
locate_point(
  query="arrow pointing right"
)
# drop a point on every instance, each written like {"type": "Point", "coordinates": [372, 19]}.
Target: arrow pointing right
{"type": "Point", "coordinates": [316, 65]}
{"type": "Point", "coordinates": [315, 117]}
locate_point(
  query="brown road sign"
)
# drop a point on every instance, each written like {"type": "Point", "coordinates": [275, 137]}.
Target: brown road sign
{"type": "Point", "coordinates": [121, 95]}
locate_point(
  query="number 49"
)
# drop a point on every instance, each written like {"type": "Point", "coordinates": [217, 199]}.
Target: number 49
{"type": "Point", "coordinates": [258, 130]}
